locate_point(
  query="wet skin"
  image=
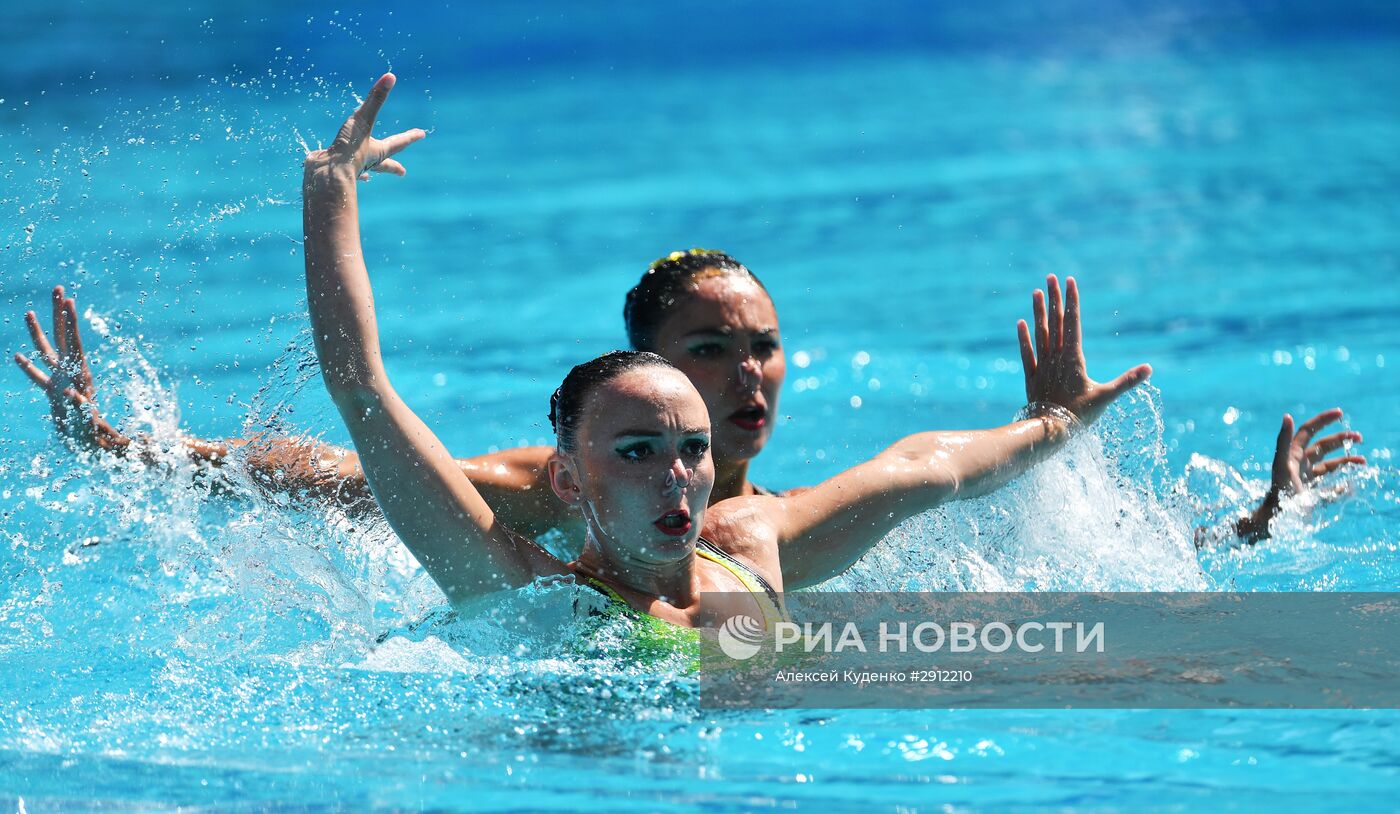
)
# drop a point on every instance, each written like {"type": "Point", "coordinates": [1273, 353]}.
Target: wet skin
{"type": "Point", "coordinates": [724, 336]}
{"type": "Point", "coordinates": [641, 476]}
{"type": "Point", "coordinates": [641, 473]}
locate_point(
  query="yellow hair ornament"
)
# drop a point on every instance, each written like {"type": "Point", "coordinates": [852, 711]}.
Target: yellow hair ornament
{"type": "Point", "coordinates": [674, 256]}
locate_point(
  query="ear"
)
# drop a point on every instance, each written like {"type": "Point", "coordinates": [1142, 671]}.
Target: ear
{"type": "Point", "coordinates": [563, 480]}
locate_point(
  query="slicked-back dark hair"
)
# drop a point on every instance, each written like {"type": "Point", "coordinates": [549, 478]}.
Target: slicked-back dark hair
{"type": "Point", "coordinates": [651, 300]}
{"type": "Point", "coordinates": [566, 405]}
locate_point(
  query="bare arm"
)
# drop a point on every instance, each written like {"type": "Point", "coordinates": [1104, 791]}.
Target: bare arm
{"type": "Point", "coordinates": [278, 464]}
{"type": "Point", "coordinates": [429, 503]}
{"type": "Point", "coordinates": [823, 531]}
{"type": "Point", "coordinates": [515, 481]}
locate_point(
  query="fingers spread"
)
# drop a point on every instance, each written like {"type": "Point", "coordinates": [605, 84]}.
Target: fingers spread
{"type": "Point", "coordinates": [41, 342]}
{"type": "Point", "coordinates": [1317, 422]}
{"type": "Point", "coordinates": [31, 370]}
{"type": "Point", "coordinates": [1057, 320]}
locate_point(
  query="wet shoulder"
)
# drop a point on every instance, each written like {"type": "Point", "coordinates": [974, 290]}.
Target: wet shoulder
{"type": "Point", "coordinates": [747, 529]}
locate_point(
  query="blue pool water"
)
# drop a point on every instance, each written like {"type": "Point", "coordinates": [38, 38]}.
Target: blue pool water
{"type": "Point", "coordinates": [1223, 181]}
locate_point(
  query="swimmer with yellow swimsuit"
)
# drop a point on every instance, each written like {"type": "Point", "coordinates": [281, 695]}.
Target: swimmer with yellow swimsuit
{"type": "Point", "coordinates": [770, 602]}
{"type": "Point", "coordinates": [799, 540]}
{"type": "Point", "coordinates": [632, 453]}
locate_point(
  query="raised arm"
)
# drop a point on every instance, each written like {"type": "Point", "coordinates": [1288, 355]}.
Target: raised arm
{"type": "Point", "coordinates": [823, 531]}
{"type": "Point", "coordinates": [429, 503]}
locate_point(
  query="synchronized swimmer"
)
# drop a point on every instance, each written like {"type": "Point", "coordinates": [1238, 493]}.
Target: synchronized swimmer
{"type": "Point", "coordinates": [653, 444]}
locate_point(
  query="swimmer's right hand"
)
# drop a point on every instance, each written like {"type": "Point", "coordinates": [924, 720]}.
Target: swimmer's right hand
{"type": "Point", "coordinates": [356, 153]}
{"type": "Point", "coordinates": [69, 384]}
{"type": "Point", "coordinates": [1053, 361]}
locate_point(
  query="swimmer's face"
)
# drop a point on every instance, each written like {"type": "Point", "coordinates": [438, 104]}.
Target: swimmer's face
{"type": "Point", "coordinates": [724, 336]}
{"type": "Point", "coordinates": [641, 471]}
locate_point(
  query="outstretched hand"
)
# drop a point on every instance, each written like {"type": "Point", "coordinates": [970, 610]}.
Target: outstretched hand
{"type": "Point", "coordinates": [69, 384]}
{"type": "Point", "coordinates": [355, 150]}
{"type": "Point", "coordinates": [1298, 461]}
{"type": "Point", "coordinates": [1054, 362]}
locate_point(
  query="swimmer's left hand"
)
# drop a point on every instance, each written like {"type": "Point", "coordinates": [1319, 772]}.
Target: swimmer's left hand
{"type": "Point", "coordinates": [69, 385]}
{"type": "Point", "coordinates": [356, 152]}
{"type": "Point", "coordinates": [1054, 364]}
{"type": "Point", "coordinates": [1298, 463]}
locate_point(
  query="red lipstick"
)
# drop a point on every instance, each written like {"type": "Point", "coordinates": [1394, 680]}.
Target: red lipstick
{"type": "Point", "coordinates": [752, 417]}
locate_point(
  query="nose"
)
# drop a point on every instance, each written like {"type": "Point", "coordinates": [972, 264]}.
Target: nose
{"type": "Point", "coordinates": [677, 477]}
{"type": "Point", "coordinates": [750, 373]}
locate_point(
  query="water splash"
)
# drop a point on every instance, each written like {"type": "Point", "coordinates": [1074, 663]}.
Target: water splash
{"type": "Point", "coordinates": [216, 625]}
{"type": "Point", "coordinates": [1106, 514]}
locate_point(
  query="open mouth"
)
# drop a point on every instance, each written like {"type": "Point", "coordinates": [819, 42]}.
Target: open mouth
{"type": "Point", "coordinates": [674, 523]}
{"type": "Point", "coordinates": [751, 417]}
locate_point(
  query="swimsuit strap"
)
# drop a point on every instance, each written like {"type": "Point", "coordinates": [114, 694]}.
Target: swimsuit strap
{"type": "Point", "coordinates": [769, 603]}
{"type": "Point", "coordinates": [605, 588]}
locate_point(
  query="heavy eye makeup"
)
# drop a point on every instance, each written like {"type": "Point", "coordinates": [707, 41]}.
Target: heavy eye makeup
{"type": "Point", "coordinates": [636, 450]}
{"type": "Point", "coordinates": [765, 345]}
{"type": "Point", "coordinates": [707, 348]}
{"type": "Point", "coordinates": [713, 344]}
{"type": "Point", "coordinates": [695, 447]}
